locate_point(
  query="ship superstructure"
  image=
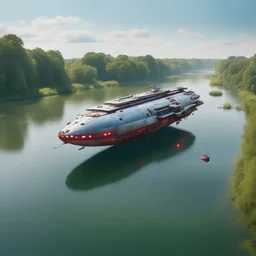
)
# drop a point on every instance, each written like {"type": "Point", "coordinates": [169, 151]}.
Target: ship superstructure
{"type": "Point", "coordinates": [128, 117]}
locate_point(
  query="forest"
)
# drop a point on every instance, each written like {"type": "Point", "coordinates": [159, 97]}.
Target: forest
{"type": "Point", "coordinates": [240, 73]}
{"type": "Point", "coordinates": [25, 72]}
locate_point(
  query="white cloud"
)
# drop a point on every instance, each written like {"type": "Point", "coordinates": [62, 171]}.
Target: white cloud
{"type": "Point", "coordinates": [224, 41]}
{"type": "Point", "coordinates": [188, 33]}
{"type": "Point", "coordinates": [50, 30]}
{"type": "Point", "coordinates": [136, 33]}
{"type": "Point", "coordinates": [139, 33]}
{"type": "Point", "coordinates": [23, 22]}
{"type": "Point", "coordinates": [28, 35]}
{"type": "Point", "coordinates": [79, 37]}
{"type": "Point", "coordinates": [118, 33]}
{"type": "Point", "coordinates": [3, 29]}
{"type": "Point", "coordinates": [59, 21]}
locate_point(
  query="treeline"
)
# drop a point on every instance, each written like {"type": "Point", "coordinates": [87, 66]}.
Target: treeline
{"type": "Point", "coordinates": [236, 72]}
{"type": "Point", "coordinates": [24, 71]}
{"type": "Point", "coordinates": [240, 73]}
{"type": "Point", "coordinates": [103, 67]}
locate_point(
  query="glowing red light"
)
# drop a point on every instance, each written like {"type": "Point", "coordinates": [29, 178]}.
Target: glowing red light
{"type": "Point", "coordinates": [83, 137]}
{"type": "Point", "coordinates": [105, 134]}
{"type": "Point", "coordinates": [71, 136]}
{"type": "Point", "coordinates": [76, 137]}
{"type": "Point", "coordinates": [109, 133]}
{"type": "Point", "coordinates": [90, 136]}
{"type": "Point", "coordinates": [177, 145]}
{"type": "Point", "coordinates": [66, 136]}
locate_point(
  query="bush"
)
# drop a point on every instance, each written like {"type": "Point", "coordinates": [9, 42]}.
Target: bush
{"type": "Point", "coordinates": [239, 108]}
{"type": "Point", "coordinates": [78, 87]}
{"type": "Point", "coordinates": [215, 81]}
{"type": "Point", "coordinates": [227, 106]}
{"type": "Point", "coordinates": [108, 83]}
{"type": "Point", "coordinates": [215, 93]}
{"type": "Point", "coordinates": [48, 91]}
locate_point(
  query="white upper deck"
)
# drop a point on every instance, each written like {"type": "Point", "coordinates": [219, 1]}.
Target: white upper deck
{"type": "Point", "coordinates": [131, 100]}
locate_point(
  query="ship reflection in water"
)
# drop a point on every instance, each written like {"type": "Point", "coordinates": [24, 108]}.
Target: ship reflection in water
{"type": "Point", "coordinates": [119, 162]}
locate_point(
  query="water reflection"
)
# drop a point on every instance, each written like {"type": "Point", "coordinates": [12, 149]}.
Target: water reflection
{"type": "Point", "coordinates": [16, 117]}
{"type": "Point", "coordinates": [47, 109]}
{"type": "Point", "coordinates": [96, 96]}
{"type": "Point", "coordinates": [13, 128]}
{"type": "Point", "coordinates": [188, 77]}
{"type": "Point", "coordinates": [119, 162]}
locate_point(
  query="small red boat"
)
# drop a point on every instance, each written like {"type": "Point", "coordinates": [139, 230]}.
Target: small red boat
{"type": "Point", "coordinates": [205, 158]}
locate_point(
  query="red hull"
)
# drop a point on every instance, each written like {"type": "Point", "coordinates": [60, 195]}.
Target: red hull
{"type": "Point", "coordinates": [111, 137]}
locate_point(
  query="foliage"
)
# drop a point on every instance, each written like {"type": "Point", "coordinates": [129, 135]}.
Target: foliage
{"type": "Point", "coordinates": [226, 106]}
{"type": "Point", "coordinates": [124, 69]}
{"type": "Point", "coordinates": [236, 72]}
{"type": "Point", "coordinates": [78, 87]}
{"type": "Point", "coordinates": [24, 70]}
{"type": "Point", "coordinates": [239, 108]}
{"type": "Point", "coordinates": [240, 73]}
{"type": "Point", "coordinates": [215, 80]}
{"type": "Point", "coordinates": [215, 93]}
{"type": "Point", "coordinates": [80, 73]}
{"type": "Point", "coordinates": [108, 83]}
{"type": "Point", "coordinates": [47, 91]}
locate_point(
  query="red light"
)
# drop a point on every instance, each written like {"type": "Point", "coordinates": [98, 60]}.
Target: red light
{"type": "Point", "coordinates": [105, 134]}
{"type": "Point", "coordinates": [177, 145]}
{"type": "Point", "coordinates": [76, 137]}
{"type": "Point", "coordinates": [90, 136]}
{"type": "Point", "coordinates": [109, 133]}
{"type": "Point", "coordinates": [66, 136]}
{"type": "Point", "coordinates": [83, 137]}
{"type": "Point", "coordinates": [71, 136]}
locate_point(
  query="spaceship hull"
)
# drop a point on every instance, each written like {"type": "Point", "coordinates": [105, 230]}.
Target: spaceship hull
{"type": "Point", "coordinates": [114, 139]}
{"type": "Point", "coordinates": [130, 117]}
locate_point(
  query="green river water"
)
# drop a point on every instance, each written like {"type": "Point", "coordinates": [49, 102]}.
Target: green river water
{"type": "Point", "coordinates": [144, 197]}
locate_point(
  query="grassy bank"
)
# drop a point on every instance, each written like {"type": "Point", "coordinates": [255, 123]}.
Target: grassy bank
{"type": "Point", "coordinates": [244, 179]}
{"type": "Point", "coordinates": [240, 73]}
{"type": "Point", "coordinates": [47, 91]}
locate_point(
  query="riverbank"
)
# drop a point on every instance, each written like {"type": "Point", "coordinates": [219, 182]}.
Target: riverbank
{"type": "Point", "coordinates": [75, 87]}
{"type": "Point", "coordinates": [45, 92]}
{"type": "Point", "coordinates": [244, 177]}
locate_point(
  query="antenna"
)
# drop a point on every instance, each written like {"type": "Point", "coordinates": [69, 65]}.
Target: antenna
{"type": "Point", "coordinates": [60, 145]}
{"type": "Point", "coordinates": [154, 88]}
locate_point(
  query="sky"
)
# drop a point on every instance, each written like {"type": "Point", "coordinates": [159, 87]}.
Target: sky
{"type": "Point", "coordinates": [163, 28]}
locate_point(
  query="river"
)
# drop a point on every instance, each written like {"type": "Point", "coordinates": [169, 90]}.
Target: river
{"type": "Point", "coordinates": [144, 197]}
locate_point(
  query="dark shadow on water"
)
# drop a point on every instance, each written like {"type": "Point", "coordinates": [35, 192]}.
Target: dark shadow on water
{"type": "Point", "coordinates": [119, 162]}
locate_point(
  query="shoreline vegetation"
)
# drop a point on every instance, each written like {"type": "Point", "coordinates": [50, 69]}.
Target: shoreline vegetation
{"type": "Point", "coordinates": [26, 73]}
{"type": "Point", "coordinates": [240, 73]}
{"type": "Point", "coordinates": [226, 106]}
{"type": "Point", "coordinates": [215, 93]}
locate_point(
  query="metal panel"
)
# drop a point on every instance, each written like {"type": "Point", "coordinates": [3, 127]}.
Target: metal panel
{"type": "Point", "coordinates": [122, 129]}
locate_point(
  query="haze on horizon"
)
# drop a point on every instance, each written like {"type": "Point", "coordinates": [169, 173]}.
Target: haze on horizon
{"type": "Point", "coordinates": [164, 29]}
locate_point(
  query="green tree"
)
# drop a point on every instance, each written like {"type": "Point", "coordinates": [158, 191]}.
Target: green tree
{"type": "Point", "coordinates": [82, 74]}
{"type": "Point", "coordinates": [99, 61]}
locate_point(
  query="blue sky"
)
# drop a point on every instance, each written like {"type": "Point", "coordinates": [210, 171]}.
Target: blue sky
{"type": "Point", "coordinates": [186, 29]}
